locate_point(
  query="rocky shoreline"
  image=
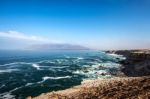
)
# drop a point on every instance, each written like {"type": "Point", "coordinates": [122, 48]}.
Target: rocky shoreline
{"type": "Point", "coordinates": [137, 62]}
{"type": "Point", "coordinates": [135, 84]}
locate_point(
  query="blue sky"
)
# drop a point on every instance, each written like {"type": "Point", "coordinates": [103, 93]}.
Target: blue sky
{"type": "Point", "coordinates": [98, 24]}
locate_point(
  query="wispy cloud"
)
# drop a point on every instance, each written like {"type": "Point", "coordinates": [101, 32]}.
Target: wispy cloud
{"type": "Point", "coordinates": [22, 36]}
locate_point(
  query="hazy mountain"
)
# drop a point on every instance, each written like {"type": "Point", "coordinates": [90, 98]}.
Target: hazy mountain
{"type": "Point", "coordinates": [57, 47]}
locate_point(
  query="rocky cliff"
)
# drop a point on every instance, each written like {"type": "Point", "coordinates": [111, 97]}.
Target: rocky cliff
{"type": "Point", "coordinates": [137, 62]}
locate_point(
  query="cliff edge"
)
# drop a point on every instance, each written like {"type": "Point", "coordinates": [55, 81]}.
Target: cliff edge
{"type": "Point", "coordinates": [137, 62]}
{"type": "Point", "coordinates": [114, 88]}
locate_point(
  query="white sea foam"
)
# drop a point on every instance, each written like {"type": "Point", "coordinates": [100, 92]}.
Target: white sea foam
{"type": "Point", "coordinates": [77, 72]}
{"type": "Point", "coordinates": [7, 95]}
{"type": "Point", "coordinates": [9, 64]}
{"type": "Point", "coordinates": [79, 58]}
{"type": "Point", "coordinates": [107, 65]}
{"type": "Point", "coordinates": [54, 78]}
{"type": "Point", "coordinates": [81, 72]}
{"type": "Point", "coordinates": [36, 66]}
{"type": "Point", "coordinates": [94, 74]}
{"type": "Point", "coordinates": [86, 65]}
{"type": "Point", "coordinates": [2, 86]}
{"type": "Point", "coordinates": [117, 56]}
{"type": "Point", "coordinates": [102, 72]}
{"type": "Point", "coordinates": [28, 84]}
{"type": "Point", "coordinates": [94, 70]}
{"type": "Point", "coordinates": [15, 63]}
{"type": "Point", "coordinates": [8, 70]}
{"type": "Point", "coordinates": [15, 89]}
{"type": "Point", "coordinates": [110, 65]}
{"type": "Point", "coordinates": [47, 77]}
{"type": "Point", "coordinates": [95, 65]}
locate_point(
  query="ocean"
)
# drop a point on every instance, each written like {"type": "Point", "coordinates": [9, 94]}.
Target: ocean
{"type": "Point", "coordinates": [30, 73]}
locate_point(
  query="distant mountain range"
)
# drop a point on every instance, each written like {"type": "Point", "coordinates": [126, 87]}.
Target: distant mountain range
{"type": "Point", "coordinates": [57, 47]}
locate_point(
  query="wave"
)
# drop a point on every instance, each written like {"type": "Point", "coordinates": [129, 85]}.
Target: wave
{"type": "Point", "coordinates": [47, 77]}
{"type": "Point", "coordinates": [53, 78]}
{"type": "Point", "coordinates": [16, 88]}
{"type": "Point", "coordinates": [7, 95]}
{"type": "Point", "coordinates": [36, 66]}
{"type": "Point", "coordinates": [98, 70]}
{"type": "Point", "coordinates": [121, 57]}
{"type": "Point", "coordinates": [80, 58]}
{"type": "Point", "coordinates": [93, 74]}
{"type": "Point", "coordinates": [29, 84]}
{"type": "Point", "coordinates": [101, 72]}
{"type": "Point", "coordinates": [105, 64]}
{"type": "Point", "coordinates": [110, 65]}
{"type": "Point", "coordinates": [14, 63]}
{"type": "Point", "coordinates": [8, 70]}
{"type": "Point", "coordinates": [9, 64]}
{"type": "Point", "coordinates": [3, 85]}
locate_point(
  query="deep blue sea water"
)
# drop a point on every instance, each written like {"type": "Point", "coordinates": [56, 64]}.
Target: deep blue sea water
{"type": "Point", "coordinates": [30, 73]}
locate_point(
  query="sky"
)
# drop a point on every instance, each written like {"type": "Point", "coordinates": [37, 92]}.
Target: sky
{"type": "Point", "coordinates": [97, 24]}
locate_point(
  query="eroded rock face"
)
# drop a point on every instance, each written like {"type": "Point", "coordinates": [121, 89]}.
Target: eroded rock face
{"type": "Point", "coordinates": [137, 62]}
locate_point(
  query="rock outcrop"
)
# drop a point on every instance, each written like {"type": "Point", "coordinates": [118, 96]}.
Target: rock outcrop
{"type": "Point", "coordinates": [137, 62]}
{"type": "Point", "coordinates": [114, 88]}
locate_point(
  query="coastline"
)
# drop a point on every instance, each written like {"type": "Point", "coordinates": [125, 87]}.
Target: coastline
{"type": "Point", "coordinates": [137, 62]}
{"type": "Point", "coordinates": [134, 84]}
